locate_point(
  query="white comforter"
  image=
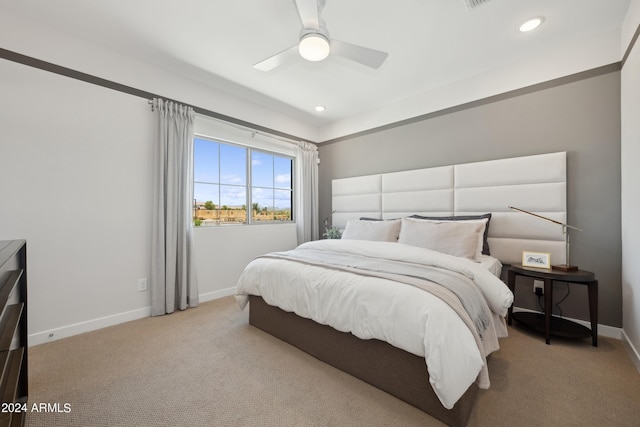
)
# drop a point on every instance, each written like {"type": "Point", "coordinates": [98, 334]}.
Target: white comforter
{"type": "Point", "coordinates": [402, 315]}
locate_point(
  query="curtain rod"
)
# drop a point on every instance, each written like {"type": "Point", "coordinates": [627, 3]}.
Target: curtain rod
{"type": "Point", "coordinates": [98, 81]}
{"type": "Point", "coordinates": [251, 128]}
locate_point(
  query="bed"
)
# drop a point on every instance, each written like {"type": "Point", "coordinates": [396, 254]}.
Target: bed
{"type": "Point", "coordinates": [367, 305]}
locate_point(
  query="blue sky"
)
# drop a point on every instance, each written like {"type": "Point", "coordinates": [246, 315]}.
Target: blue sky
{"type": "Point", "coordinates": [220, 175]}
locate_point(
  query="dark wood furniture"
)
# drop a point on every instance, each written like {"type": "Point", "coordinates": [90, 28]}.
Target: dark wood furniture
{"type": "Point", "coordinates": [13, 332]}
{"type": "Point", "coordinates": [399, 373]}
{"type": "Point", "coordinates": [547, 323]}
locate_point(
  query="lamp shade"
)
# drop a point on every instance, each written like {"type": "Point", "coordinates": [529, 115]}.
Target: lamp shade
{"type": "Point", "coordinates": [314, 47]}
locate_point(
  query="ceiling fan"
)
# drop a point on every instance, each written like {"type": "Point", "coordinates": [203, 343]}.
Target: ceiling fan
{"type": "Point", "coordinates": [315, 44]}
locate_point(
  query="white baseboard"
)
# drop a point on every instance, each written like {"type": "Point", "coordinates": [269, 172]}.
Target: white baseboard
{"type": "Point", "coordinates": [603, 330]}
{"type": "Point", "coordinates": [89, 325]}
{"type": "Point", "coordinates": [633, 352]}
{"type": "Point", "coordinates": [210, 296]}
{"type": "Point", "coordinates": [103, 322]}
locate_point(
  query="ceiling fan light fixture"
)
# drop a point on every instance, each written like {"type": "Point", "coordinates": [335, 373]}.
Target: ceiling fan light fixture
{"type": "Point", "coordinates": [314, 47]}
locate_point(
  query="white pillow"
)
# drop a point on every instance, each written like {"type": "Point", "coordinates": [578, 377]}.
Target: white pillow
{"type": "Point", "coordinates": [382, 231]}
{"type": "Point", "coordinates": [458, 238]}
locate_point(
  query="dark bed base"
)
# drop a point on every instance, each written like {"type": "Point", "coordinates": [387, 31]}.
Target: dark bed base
{"type": "Point", "coordinates": [378, 363]}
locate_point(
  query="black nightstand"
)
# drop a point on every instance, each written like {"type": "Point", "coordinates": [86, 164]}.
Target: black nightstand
{"type": "Point", "coordinates": [547, 323]}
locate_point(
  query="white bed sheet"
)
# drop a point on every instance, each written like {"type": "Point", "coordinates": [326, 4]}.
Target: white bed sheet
{"type": "Point", "coordinates": [402, 315]}
{"type": "Point", "coordinates": [491, 264]}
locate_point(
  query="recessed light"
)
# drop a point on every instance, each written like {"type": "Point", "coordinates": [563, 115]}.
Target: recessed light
{"type": "Point", "coordinates": [319, 108]}
{"type": "Point", "coordinates": [531, 24]}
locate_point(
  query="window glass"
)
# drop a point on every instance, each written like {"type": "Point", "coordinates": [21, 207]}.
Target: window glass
{"type": "Point", "coordinates": [282, 171]}
{"type": "Point", "coordinates": [206, 164]}
{"type": "Point", "coordinates": [206, 203]}
{"type": "Point", "coordinates": [283, 200]}
{"type": "Point", "coordinates": [261, 169]}
{"type": "Point", "coordinates": [271, 187]}
{"type": "Point", "coordinates": [223, 186]}
{"type": "Point", "coordinates": [233, 165]}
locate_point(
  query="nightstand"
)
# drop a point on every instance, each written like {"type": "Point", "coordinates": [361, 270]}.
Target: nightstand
{"type": "Point", "coordinates": [547, 323]}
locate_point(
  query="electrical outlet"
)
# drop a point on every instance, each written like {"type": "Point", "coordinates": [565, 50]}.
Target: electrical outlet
{"type": "Point", "coordinates": [142, 285]}
{"type": "Point", "coordinates": [538, 284]}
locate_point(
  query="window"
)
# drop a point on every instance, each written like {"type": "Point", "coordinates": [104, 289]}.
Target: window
{"type": "Point", "coordinates": [228, 178]}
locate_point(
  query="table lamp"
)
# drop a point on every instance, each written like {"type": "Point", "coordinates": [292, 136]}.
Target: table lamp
{"type": "Point", "coordinates": [565, 227]}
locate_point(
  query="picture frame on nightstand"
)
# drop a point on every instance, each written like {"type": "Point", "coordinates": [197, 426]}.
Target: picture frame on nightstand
{"type": "Point", "coordinates": [536, 259]}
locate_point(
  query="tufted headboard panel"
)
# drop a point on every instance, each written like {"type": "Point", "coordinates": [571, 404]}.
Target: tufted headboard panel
{"type": "Point", "coordinates": [534, 183]}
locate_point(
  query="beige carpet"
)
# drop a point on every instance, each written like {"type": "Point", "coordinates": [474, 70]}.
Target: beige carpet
{"type": "Point", "coordinates": [207, 367]}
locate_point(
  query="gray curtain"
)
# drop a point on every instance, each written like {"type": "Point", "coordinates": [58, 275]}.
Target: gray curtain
{"type": "Point", "coordinates": [173, 274]}
{"type": "Point", "coordinates": [307, 218]}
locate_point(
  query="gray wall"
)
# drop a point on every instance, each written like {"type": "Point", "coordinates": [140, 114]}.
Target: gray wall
{"type": "Point", "coordinates": [581, 117]}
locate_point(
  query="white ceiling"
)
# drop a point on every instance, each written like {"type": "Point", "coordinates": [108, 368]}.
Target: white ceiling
{"type": "Point", "coordinates": [440, 52]}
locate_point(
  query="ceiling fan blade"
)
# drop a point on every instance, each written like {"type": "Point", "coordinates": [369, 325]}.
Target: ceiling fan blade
{"type": "Point", "coordinates": [471, 4]}
{"type": "Point", "coordinates": [273, 61]}
{"type": "Point", "coordinates": [309, 11]}
{"type": "Point", "coordinates": [363, 55]}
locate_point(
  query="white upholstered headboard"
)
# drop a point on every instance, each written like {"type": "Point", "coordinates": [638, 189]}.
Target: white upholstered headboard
{"type": "Point", "coordinates": [534, 183]}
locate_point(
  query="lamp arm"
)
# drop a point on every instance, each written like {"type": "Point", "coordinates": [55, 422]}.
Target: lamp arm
{"type": "Point", "coordinates": [547, 219]}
